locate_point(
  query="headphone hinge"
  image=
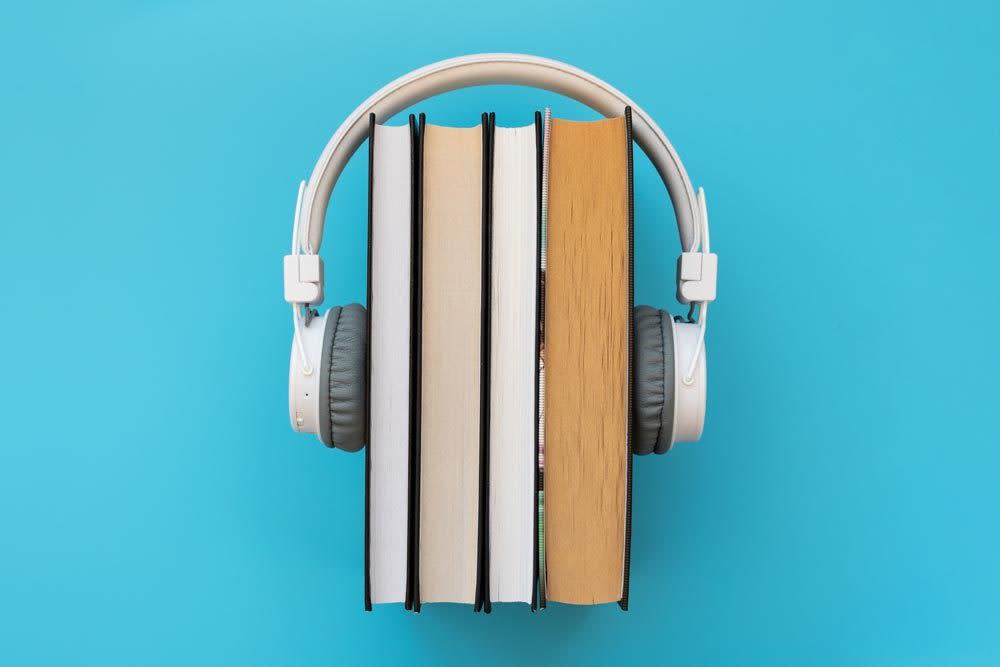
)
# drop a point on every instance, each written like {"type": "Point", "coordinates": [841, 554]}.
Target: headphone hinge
{"type": "Point", "coordinates": [697, 275]}
{"type": "Point", "coordinates": [303, 279]}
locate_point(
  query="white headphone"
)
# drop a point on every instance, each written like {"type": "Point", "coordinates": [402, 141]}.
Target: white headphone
{"type": "Point", "coordinates": [328, 361]}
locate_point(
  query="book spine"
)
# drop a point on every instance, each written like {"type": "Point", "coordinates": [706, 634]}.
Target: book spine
{"type": "Point", "coordinates": [368, 367]}
{"type": "Point", "coordinates": [543, 197]}
{"type": "Point", "coordinates": [411, 514]}
{"type": "Point", "coordinates": [539, 304]}
{"type": "Point", "coordinates": [483, 577]}
{"type": "Point", "coordinates": [418, 357]}
{"type": "Point", "coordinates": [627, 564]}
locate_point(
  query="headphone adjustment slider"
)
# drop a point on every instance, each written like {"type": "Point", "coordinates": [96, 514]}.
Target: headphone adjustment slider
{"type": "Point", "coordinates": [303, 279]}
{"type": "Point", "coordinates": [697, 274]}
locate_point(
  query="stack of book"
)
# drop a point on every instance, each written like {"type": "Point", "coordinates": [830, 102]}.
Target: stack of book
{"type": "Point", "coordinates": [500, 298]}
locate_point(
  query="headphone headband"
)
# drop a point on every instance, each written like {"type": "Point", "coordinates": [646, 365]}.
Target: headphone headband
{"type": "Point", "coordinates": [674, 389]}
{"type": "Point", "coordinates": [494, 69]}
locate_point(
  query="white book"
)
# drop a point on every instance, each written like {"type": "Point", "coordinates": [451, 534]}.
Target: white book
{"type": "Point", "coordinates": [513, 360]}
{"type": "Point", "coordinates": [389, 312]}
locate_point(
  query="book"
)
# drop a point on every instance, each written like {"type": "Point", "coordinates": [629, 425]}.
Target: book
{"type": "Point", "coordinates": [513, 355]}
{"type": "Point", "coordinates": [448, 529]}
{"type": "Point", "coordinates": [391, 367]}
{"type": "Point", "coordinates": [587, 358]}
{"type": "Point", "coordinates": [500, 348]}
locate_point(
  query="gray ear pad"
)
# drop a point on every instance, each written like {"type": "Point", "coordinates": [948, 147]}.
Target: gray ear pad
{"type": "Point", "coordinates": [653, 375]}
{"type": "Point", "coordinates": [343, 378]}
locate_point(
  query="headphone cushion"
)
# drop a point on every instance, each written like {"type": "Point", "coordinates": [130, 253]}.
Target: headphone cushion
{"type": "Point", "coordinates": [653, 378]}
{"type": "Point", "coordinates": [344, 377]}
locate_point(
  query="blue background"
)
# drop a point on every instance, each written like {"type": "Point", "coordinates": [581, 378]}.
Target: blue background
{"type": "Point", "coordinates": [155, 507]}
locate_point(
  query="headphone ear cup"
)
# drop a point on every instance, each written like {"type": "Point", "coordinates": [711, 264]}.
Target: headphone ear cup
{"type": "Point", "coordinates": [653, 380]}
{"type": "Point", "coordinates": [344, 378]}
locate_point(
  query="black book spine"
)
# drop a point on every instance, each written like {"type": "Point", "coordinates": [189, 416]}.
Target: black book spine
{"type": "Point", "coordinates": [418, 385]}
{"type": "Point", "coordinates": [368, 368]}
{"type": "Point", "coordinates": [626, 567]}
{"type": "Point", "coordinates": [483, 577]}
{"type": "Point", "coordinates": [411, 514]}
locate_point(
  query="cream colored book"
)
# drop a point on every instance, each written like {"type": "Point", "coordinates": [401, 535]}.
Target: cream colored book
{"type": "Point", "coordinates": [450, 363]}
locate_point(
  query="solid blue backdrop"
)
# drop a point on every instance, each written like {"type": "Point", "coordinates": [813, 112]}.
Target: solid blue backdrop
{"type": "Point", "coordinates": [156, 508]}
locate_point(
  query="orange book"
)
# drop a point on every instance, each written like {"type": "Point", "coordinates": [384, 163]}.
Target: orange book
{"type": "Point", "coordinates": [588, 321]}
